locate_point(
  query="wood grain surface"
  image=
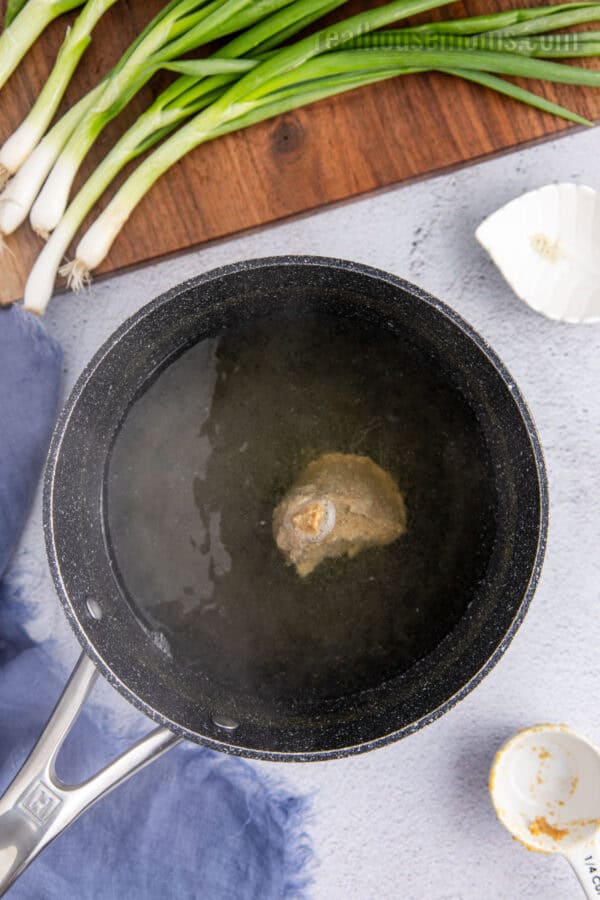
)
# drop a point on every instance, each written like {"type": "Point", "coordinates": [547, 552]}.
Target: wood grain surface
{"type": "Point", "coordinates": [397, 131]}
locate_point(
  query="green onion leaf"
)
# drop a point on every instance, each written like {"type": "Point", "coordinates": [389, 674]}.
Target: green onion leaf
{"type": "Point", "coordinates": [518, 93]}
{"type": "Point", "coordinates": [214, 65]}
{"type": "Point", "coordinates": [13, 8]}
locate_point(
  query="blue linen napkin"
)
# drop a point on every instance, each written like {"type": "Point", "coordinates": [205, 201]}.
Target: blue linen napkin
{"type": "Point", "coordinates": [194, 825]}
{"type": "Point", "coordinates": [30, 370]}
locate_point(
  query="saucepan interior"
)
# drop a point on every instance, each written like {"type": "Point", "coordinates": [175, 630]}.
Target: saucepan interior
{"type": "Point", "coordinates": [169, 573]}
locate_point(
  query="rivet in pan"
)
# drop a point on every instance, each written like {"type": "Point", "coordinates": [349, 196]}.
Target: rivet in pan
{"type": "Point", "coordinates": [94, 608]}
{"type": "Point", "coordinates": [225, 723]}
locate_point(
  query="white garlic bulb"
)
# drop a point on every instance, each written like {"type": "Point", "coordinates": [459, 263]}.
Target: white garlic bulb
{"type": "Point", "coordinates": [546, 243]}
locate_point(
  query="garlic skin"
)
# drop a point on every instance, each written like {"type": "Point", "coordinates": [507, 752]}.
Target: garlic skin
{"type": "Point", "coordinates": [546, 243]}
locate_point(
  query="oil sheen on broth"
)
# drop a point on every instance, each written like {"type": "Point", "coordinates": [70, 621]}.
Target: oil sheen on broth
{"type": "Point", "coordinates": [210, 448]}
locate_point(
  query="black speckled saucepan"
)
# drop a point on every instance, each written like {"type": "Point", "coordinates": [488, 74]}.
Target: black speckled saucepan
{"type": "Point", "coordinates": [255, 720]}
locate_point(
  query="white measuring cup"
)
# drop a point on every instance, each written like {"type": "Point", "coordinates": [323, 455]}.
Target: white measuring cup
{"type": "Point", "coordinates": [545, 786]}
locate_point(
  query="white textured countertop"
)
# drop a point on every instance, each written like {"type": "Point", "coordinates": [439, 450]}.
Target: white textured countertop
{"type": "Point", "coordinates": [413, 820]}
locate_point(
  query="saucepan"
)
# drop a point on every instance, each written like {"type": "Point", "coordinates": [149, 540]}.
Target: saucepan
{"type": "Point", "coordinates": [297, 670]}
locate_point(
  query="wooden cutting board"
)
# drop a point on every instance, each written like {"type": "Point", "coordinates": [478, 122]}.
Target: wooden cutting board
{"type": "Point", "coordinates": [397, 131]}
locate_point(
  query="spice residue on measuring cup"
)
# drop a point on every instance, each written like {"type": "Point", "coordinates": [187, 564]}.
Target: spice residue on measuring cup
{"type": "Point", "coordinates": [540, 826]}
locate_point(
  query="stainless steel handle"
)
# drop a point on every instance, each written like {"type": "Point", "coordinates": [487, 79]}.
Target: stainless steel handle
{"type": "Point", "coordinates": [37, 806]}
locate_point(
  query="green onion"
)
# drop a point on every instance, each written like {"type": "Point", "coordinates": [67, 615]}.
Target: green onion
{"type": "Point", "coordinates": [180, 101]}
{"type": "Point", "coordinates": [25, 20]}
{"type": "Point", "coordinates": [235, 103]}
{"type": "Point", "coordinates": [518, 93]}
{"type": "Point", "coordinates": [508, 20]}
{"type": "Point", "coordinates": [574, 14]}
{"type": "Point", "coordinates": [430, 58]}
{"type": "Point", "coordinates": [96, 243]}
{"type": "Point", "coordinates": [38, 289]}
{"type": "Point", "coordinates": [182, 26]}
{"type": "Point", "coordinates": [39, 164]}
{"type": "Point", "coordinates": [547, 46]}
{"type": "Point", "coordinates": [184, 98]}
{"type": "Point", "coordinates": [311, 46]}
{"type": "Point", "coordinates": [202, 68]}
{"type": "Point", "coordinates": [17, 148]}
{"type": "Point", "coordinates": [13, 8]}
{"type": "Point", "coordinates": [563, 46]}
{"type": "Point", "coordinates": [19, 195]}
{"type": "Point", "coordinates": [337, 58]}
